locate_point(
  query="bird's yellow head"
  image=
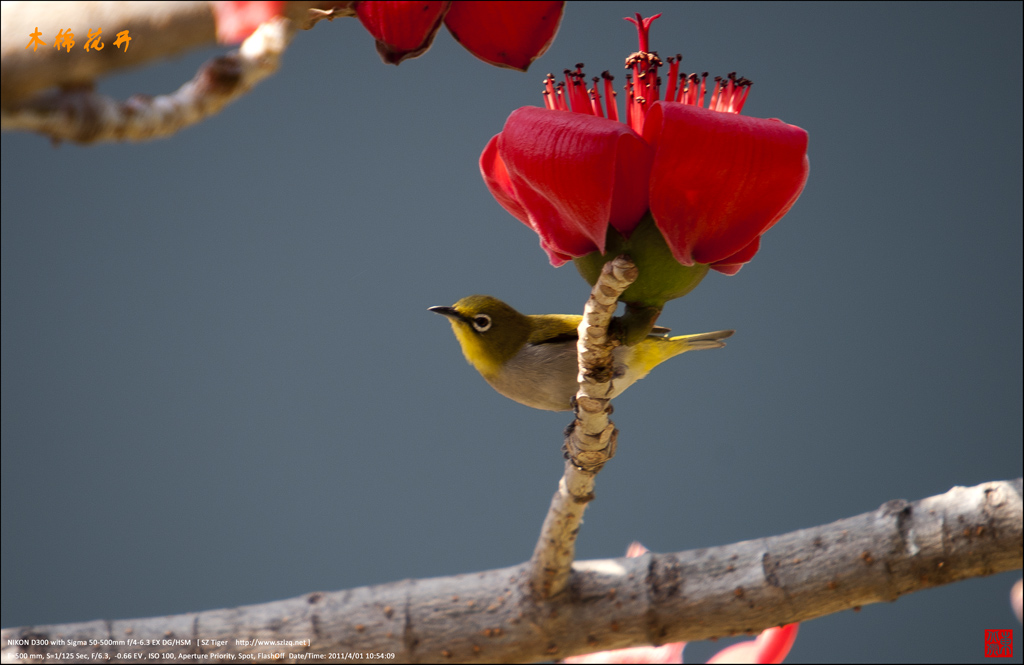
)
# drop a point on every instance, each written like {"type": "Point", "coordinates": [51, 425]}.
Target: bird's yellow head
{"type": "Point", "coordinates": [489, 331]}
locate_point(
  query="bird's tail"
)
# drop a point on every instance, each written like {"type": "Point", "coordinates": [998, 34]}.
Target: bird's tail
{"type": "Point", "coordinates": [655, 350]}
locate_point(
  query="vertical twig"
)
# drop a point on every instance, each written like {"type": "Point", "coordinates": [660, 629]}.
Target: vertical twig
{"type": "Point", "coordinates": [590, 439]}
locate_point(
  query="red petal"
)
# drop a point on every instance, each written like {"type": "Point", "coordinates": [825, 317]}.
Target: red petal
{"type": "Point", "coordinates": [776, 643]}
{"type": "Point", "coordinates": [402, 29]}
{"type": "Point", "coordinates": [498, 182]}
{"type": "Point", "coordinates": [732, 264]}
{"type": "Point", "coordinates": [572, 175]}
{"type": "Point", "coordinates": [771, 646]}
{"type": "Point", "coordinates": [720, 180]}
{"type": "Point", "coordinates": [237, 20]}
{"type": "Point", "coordinates": [506, 34]}
{"type": "Point", "coordinates": [663, 655]}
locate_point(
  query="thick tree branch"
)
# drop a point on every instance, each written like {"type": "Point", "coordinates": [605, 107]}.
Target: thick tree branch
{"type": "Point", "coordinates": [613, 603]}
{"type": "Point", "coordinates": [50, 91]}
{"type": "Point", "coordinates": [86, 117]}
{"type": "Point", "coordinates": [590, 439]}
{"type": "Point", "coordinates": [159, 30]}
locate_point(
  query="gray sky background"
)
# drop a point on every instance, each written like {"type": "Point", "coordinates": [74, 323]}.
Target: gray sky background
{"type": "Point", "coordinates": [221, 385]}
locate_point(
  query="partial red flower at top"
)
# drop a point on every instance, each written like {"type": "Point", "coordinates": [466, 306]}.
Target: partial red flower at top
{"type": "Point", "coordinates": [683, 161]}
{"type": "Point", "coordinates": [505, 34]}
{"type": "Point", "coordinates": [771, 646]}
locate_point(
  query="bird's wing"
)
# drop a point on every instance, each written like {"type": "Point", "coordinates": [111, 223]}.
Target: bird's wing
{"type": "Point", "coordinates": [553, 328]}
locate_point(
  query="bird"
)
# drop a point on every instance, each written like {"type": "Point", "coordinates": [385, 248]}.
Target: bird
{"type": "Point", "coordinates": [531, 358]}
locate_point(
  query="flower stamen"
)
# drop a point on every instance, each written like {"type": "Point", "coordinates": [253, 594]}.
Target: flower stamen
{"type": "Point", "coordinates": [643, 86]}
{"type": "Point", "coordinates": [595, 99]}
{"type": "Point", "coordinates": [673, 72]}
{"type": "Point", "coordinates": [609, 95]}
{"type": "Point", "coordinates": [549, 93]}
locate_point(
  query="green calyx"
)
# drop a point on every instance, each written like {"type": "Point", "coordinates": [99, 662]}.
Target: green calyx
{"type": "Point", "coordinates": [661, 279]}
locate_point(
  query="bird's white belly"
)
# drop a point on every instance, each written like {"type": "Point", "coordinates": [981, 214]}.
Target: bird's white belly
{"type": "Point", "coordinates": [543, 376]}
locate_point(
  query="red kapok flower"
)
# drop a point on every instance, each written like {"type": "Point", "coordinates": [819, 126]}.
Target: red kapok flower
{"type": "Point", "coordinates": [771, 646]}
{"type": "Point", "coordinates": [684, 161]}
{"type": "Point", "coordinates": [506, 34]}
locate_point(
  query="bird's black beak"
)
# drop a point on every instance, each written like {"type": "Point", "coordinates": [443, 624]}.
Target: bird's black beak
{"type": "Point", "coordinates": [450, 312]}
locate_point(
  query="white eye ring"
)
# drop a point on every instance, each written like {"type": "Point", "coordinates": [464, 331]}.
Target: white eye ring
{"type": "Point", "coordinates": [481, 323]}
